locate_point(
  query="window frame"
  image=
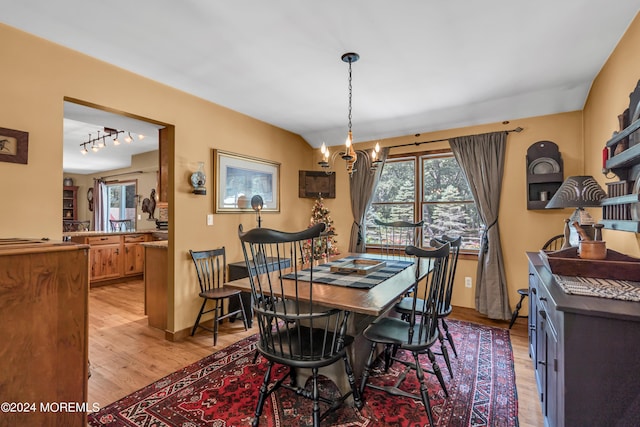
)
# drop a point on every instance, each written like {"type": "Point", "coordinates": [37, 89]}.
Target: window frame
{"type": "Point", "coordinates": [419, 202]}
{"type": "Point", "coordinates": [122, 185]}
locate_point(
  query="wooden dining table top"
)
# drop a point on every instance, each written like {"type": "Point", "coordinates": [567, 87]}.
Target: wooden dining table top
{"type": "Point", "coordinates": [372, 302]}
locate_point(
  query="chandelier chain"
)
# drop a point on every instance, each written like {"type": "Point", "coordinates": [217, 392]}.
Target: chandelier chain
{"type": "Point", "coordinates": [350, 95]}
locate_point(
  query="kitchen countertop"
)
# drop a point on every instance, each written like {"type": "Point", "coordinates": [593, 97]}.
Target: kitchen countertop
{"type": "Point", "coordinates": [164, 233]}
{"type": "Point", "coordinates": [160, 244]}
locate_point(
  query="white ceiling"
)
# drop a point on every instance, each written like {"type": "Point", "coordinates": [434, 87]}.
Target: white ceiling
{"type": "Point", "coordinates": [425, 64]}
{"type": "Point", "coordinates": [83, 124]}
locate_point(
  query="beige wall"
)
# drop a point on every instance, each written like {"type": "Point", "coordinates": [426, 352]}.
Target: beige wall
{"type": "Point", "coordinates": [521, 230]}
{"type": "Point", "coordinates": [608, 98]}
{"type": "Point", "coordinates": [32, 90]}
{"type": "Point", "coordinates": [42, 74]}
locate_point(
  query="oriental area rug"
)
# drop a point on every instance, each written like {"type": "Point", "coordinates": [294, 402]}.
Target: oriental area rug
{"type": "Point", "coordinates": [221, 390]}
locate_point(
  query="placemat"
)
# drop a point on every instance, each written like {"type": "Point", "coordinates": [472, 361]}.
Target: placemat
{"type": "Point", "coordinates": [323, 274]}
{"type": "Point", "coordinates": [605, 288]}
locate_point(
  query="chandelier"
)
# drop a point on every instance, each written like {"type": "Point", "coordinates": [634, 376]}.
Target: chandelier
{"type": "Point", "coordinates": [349, 155]}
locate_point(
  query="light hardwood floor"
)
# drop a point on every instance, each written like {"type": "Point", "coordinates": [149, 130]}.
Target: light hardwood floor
{"type": "Point", "coordinates": [126, 354]}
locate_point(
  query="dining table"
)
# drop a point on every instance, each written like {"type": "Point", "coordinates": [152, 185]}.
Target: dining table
{"type": "Point", "coordinates": [364, 304]}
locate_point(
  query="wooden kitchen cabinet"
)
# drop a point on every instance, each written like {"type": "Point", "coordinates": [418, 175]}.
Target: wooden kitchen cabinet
{"type": "Point", "coordinates": [114, 256]}
{"type": "Point", "coordinates": [133, 254]}
{"type": "Point", "coordinates": [105, 257]}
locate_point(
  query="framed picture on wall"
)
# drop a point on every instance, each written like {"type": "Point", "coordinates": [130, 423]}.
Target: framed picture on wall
{"type": "Point", "coordinates": [237, 178]}
{"type": "Point", "coordinates": [14, 146]}
{"type": "Point", "coordinates": [314, 184]}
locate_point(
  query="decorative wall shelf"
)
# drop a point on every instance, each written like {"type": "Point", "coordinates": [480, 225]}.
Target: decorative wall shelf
{"type": "Point", "coordinates": [621, 210]}
{"type": "Point", "coordinates": [544, 173]}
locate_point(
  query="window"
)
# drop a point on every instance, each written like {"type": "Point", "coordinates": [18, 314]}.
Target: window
{"type": "Point", "coordinates": [429, 187]}
{"type": "Point", "coordinates": [121, 201]}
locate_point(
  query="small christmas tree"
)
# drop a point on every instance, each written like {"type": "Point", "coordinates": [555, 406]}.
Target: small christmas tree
{"type": "Point", "coordinates": [325, 245]}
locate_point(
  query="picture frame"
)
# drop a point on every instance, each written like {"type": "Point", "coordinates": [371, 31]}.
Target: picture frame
{"type": "Point", "coordinates": [314, 184]}
{"type": "Point", "coordinates": [14, 146]}
{"type": "Point", "coordinates": [237, 178]}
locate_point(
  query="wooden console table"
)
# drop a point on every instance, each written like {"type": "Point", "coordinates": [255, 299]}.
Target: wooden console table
{"type": "Point", "coordinates": [582, 349]}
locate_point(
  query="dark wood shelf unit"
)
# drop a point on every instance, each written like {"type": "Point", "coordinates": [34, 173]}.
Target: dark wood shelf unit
{"type": "Point", "coordinates": [621, 225]}
{"type": "Point", "coordinates": [621, 200]}
{"type": "Point", "coordinates": [625, 162]}
{"type": "Point", "coordinates": [70, 203]}
{"type": "Point", "coordinates": [545, 182]}
{"type": "Point", "coordinates": [618, 211]}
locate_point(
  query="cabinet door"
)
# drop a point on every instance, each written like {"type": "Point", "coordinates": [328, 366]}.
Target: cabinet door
{"type": "Point", "coordinates": [133, 259]}
{"type": "Point", "coordinates": [546, 369]}
{"type": "Point", "coordinates": [105, 262]}
{"type": "Point", "coordinates": [533, 314]}
{"type": "Point", "coordinates": [134, 254]}
{"type": "Point", "coordinates": [551, 373]}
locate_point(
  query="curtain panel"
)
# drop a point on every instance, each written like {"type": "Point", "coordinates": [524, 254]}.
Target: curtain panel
{"type": "Point", "coordinates": [481, 158]}
{"type": "Point", "coordinates": [362, 186]}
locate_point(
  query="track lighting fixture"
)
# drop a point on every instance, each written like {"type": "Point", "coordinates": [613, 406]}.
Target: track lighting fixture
{"type": "Point", "coordinates": [100, 141]}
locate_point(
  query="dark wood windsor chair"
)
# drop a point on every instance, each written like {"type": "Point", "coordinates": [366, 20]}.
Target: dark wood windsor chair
{"type": "Point", "coordinates": [211, 268]}
{"type": "Point", "coordinates": [419, 332]}
{"type": "Point", "coordinates": [294, 330]}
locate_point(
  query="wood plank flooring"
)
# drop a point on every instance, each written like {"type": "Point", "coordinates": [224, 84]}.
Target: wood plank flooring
{"type": "Point", "coordinates": [126, 354]}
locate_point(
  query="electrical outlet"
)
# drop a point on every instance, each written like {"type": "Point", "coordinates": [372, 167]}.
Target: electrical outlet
{"type": "Point", "coordinates": [139, 217]}
{"type": "Point", "coordinates": [210, 219]}
{"type": "Point", "coordinates": [467, 282]}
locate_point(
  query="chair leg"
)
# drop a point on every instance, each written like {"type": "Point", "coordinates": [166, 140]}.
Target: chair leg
{"type": "Point", "coordinates": [352, 382]}
{"type": "Point", "coordinates": [215, 323]}
{"type": "Point", "coordinates": [367, 368]}
{"type": "Point", "coordinates": [315, 395]}
{"type": "Point", "coordinates": [449, 337]}
{"type": "Point", "coordinates": [437, 371]}
{"type": "Point", "coordinates": [387, 357]}
{"type": "Point", "coordinates": [263, 395]}
{"type": "Point", "coordinates": [244, 317]}
{"type": "Point", "coordinates": [445, 352]}
{"type": "Point", "coordinates": [424, 393]}
{"type": "Point", "coordinates": [195, 326]}
{"type": "Point", "coordinates": [514, 316]}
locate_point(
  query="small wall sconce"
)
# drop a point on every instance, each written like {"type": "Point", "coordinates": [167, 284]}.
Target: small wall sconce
{"type": "Point", "coordinates": [198, 179]}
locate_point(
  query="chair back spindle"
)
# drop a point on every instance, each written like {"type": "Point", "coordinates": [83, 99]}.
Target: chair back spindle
{"type": "Point", "coordinates": [395, 236]}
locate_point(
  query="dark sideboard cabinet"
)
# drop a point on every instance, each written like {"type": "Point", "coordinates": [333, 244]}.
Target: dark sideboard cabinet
{"type": "Point", "coordinates": [238, 270]}
{"type": "Point", "coordinates": [585, 354]}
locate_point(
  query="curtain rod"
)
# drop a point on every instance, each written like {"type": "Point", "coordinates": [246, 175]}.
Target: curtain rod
{"type": "Point", "coordinates": [119, 174]}
{"type": "Point", "coordinates": [518, 129]}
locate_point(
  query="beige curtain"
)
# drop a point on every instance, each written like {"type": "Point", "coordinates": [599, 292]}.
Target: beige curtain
{"type": "Point", "coordinates": [362, 186]}
{"type": "Point", "coordinates": [99, 197]}
{"type": "Point", "coordinates": [481, 157]}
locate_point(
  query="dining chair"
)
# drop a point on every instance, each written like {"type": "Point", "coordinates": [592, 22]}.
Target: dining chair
{"type": "Point", "coordinates": [395, 236]}
{"type": "Point", "coordinates": [444, 308]}
{"type": "Point", "coordinates": [294, 330]}
{"type": "Point", "coordinates": [211, 268]}
{"type": "Point", "coordinates": [71, 226]}
{"type": "Point", "coordinates": [553, 244]}
{"type": "Point", "coordinates": [419, 333]}
{"type": "Point", "coordinates": [121, 224]}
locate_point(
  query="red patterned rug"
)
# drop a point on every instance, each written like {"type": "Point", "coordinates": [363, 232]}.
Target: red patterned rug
{"type": "Point", "coordinates": [221, 390]}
